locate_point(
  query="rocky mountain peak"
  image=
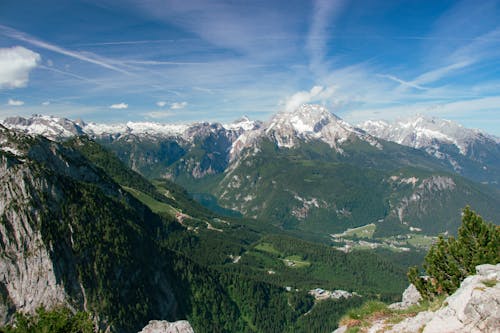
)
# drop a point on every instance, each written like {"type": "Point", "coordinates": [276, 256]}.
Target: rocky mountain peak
{"type": "Point", "coordinates": [422, 132]}
{"type": "Point", "coordinates": [313, 122]}
{"type": "Point", "coordinates": [304, 120]}
{"type": "Point", "coordinates": [49, 126]}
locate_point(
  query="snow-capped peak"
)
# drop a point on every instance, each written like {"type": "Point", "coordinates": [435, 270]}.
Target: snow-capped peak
{"type": "Point", "coordinates": [304, 120]}
{"type": "Point", "coordinates": [424, 132]}
{"type": "Point", "coordinates": [243, 124]}
{"type": "Point", "coordinates": [48, 126]}
{"type": "Point", "coordinates": [306, 123]}
{"type": "Point", "coordinates": [312, 122]}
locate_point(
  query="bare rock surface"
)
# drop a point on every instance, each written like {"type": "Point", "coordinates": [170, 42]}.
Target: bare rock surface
{"type": "Point", "coordinates": [411, 296]}
{"type": "Point", "coordinates": [163, 326]}
{"type": "Point", "coordinates": [473, 308]}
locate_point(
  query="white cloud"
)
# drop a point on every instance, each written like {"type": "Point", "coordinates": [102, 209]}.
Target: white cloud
{"type": "Point", "coordinates": [16, 64]}
{"type": "Point", "coordinates": [161, 103]}
{"type": "Point", "coordinates": [316, 94]}
{"type": "Point", "coordinates": [119, 106]}
{"type": "Point", "coordinates": [178, 105]}
{"type": "Point", "coordinates": [14, 102]}
{"type": "Point", "coordinates": [46, 103]}
{"type": "Point", "coordinates": [159, 114]}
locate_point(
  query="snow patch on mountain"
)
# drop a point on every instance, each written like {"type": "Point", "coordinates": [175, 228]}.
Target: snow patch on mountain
{"type": "Point", "coordinates": [307, 123]}
{"type": "Point", "coordinates": [427, 133]}
{"type": "Point", "coordinates": [137, 128]}
{"type": "Point", "coordinates": [243, 124]}
{"type": "Point", "coordinates": [48, 126]}
{"type": "Point", "coordinates": [313, 122]}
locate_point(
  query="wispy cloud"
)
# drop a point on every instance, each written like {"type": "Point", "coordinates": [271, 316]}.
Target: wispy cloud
{"type": "Point", "coordinates": [66, 73]}
{"type": "Point", "coordinates": [178, 105]}
{"type": "Point", "coordinates": [119, 106]}
{"type": "Point", "coordinates": [410, 84]}
{"type": "Point", "coordinates": [249, 27]}
{"type": "Point", "coordinates": [87, 57]}
{"type": "Point", "coordinates": [439, 73]}
{"type": "Point", "coordinates": [16, 63]}
{"type": "Point", "coordinates": [128, 42]}
{"type": "Point", "coordinates": [160, 114]}
{"type": "Point", "coordinates": [14, 102]}
{"type": "Point", "coordinates": [162, 63]}
{"type": "Point", "coordinates": [324, 13]}
{"type": "Point", "coordinates": [161, 103]}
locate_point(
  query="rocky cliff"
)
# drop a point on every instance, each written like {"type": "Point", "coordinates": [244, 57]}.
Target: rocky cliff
{"type": "Point", "coordinates": [70, 236]}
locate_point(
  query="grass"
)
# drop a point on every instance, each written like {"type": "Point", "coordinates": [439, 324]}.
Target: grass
{"type": "Point", "coordinates": [368, 309]}
{"type": "Point", "coordinates": [489, 283]}
{"type": "Point", "coordinates": [365, 231]}
{"type": "Point", "coordinates": [364, 316]}
{"type": "Point", "coordinates": [421, 241]}
{"type": "Point", "coordinates": [296, 261]}
{"type": "Point", "coordinates": [267, 247]}
{"type": "Point", "coordinates": [155, 205]}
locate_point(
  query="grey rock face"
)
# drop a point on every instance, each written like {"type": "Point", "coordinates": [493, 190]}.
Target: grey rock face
{"type": "Point", "coordinates": [474, 307]}
{"type": "Point", "coordinates": [411, 296]}
{"type": "Point", "coordinates": [27, 277]}
{"type": "Point", "coordinates": [26, 270]}
{"type": "Point", "coordinates": [40, 248]}
{"type": "Point", "coordinates": [163, 326]}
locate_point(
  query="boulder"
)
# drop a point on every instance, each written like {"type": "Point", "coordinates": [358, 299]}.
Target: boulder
{"type": "Point", "coordinates": [411, 296]}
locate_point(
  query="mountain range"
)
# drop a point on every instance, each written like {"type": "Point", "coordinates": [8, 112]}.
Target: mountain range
{"type": "Point", "coordinates": [82, 231]}
{"type": "Point", "coordinates": [309, 169]}
{"type": "Point", "coordinates": [469, 152]}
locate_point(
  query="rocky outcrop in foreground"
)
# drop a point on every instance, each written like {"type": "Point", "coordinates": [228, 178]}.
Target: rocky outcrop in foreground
{"type": "Point", "coordinates": [163, 326]}
{"type": "Point", "coordinates": [473, 308]}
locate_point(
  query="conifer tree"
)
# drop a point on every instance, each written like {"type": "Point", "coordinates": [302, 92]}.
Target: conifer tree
{"type": "Point", "coordinates": [451, 260]}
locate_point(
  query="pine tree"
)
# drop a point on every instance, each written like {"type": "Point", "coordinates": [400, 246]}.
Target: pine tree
{"type": "Point", "coordinates": [451, 260]}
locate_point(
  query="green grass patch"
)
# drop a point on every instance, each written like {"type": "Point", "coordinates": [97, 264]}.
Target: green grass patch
{"type": "Point", "coordinates": [267, 247]}
{"type": "Point", "coordinates": [295, 261]}
{"type": "Point", "coordinates": [365, 231]}
{"type": "Point", "coordinates": [368, 309]}
{"type": "Point", "coordinates": [489, 283]}
{"type": "Point", "coordinates": [155, 205]}
{"type": "Point", "coordinates": [421, 241]}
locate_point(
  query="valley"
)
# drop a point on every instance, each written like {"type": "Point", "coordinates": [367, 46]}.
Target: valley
{"type": "Point", "coordinates": [232, 166]}
{"type": "Point", "coordinates": [240, 224]}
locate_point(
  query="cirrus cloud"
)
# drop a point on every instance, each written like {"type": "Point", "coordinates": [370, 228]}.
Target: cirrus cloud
{"type": "Point", "coordinates": [119, 106]}
{"type": "Point", "coordinates": [16, 63]}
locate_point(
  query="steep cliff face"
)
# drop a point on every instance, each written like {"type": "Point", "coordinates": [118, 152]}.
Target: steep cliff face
{"type": "Point", "coordinates": [71, 236]}
{"type": "Point", "coordinates": [28, 276]}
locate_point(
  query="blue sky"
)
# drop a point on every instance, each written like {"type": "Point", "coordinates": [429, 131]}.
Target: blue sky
{"type": "Point", "coordinates": [194, 60]}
